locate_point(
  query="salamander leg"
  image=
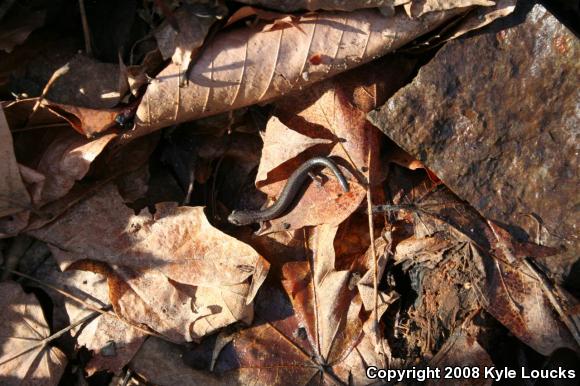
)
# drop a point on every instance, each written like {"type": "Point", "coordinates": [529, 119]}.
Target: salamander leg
{"type": "Point", "coordinates": [317, 179]}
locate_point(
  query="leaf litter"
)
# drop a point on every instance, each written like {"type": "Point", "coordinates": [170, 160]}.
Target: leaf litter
{"type": "Point", "coordinates": [127, 171]}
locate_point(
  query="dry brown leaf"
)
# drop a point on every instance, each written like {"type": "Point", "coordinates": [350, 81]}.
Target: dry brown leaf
{"type": "Point", "coordinates": [182, 45]}
{"type": "Point", "coordinates": [506, 288]}
{"type": "Point", "coordinates": [329, 118]}
{"type": "Point", "coordinates": [20, 116]}
{"type": "Point", "coordinates": [462, 351]}
{"type": "Point", "coordinates": [314, 5]}
{"type": "Point", "coordinates": [366, 283]}
{"type": "Point", "coordinates": [515, 298]}
{"type": "Point", "coordinates": [89, 83]}
{"type": "Point", "coordinates": [320, 335]}
{"type": "Point", "coordinates": [138, 75]}
{"type": "Point", "coordinates": [116, 162]}
{"type": "Point", "coordinates": [243, 66]}
{"type": "Point", "coordinates": [87, 121]}
{"type": "Point", "coordinates": [23, 327]}
{"type": "Point", "coordinates": [281, 144]}
{"type": "Point", "coordinates": [112, 342]}
{"type": "Point", "coordinates": [424, 248]}
{"type": "Point", "coordinates": [13, 194]}
{"type": "Point", "coordinates": [67, 160]}
{"type": "Point", "coordinates": [483, 16]}
{"type": "Point", "coordinates": [260, 14]}
{"type": "Point", "coordinates": [421, 7]}
{"type": "Point", "coordinates": [161, 363]}
{"type": "Point", "coordinates": [155, 263]}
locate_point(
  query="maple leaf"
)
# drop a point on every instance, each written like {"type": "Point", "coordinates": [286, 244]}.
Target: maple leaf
{"type": "Point", "coordinates": [25, 356]}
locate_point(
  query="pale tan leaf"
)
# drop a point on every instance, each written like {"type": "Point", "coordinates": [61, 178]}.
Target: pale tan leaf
{"type": "Point", "coordinates": [281, 144]}
{"type": "Point", "coordinates": [23, 359]}
{"type": "Point", "coordinates": [13, 194]}
{"type": "Point", "coordinates": [180, 46]}
{"type": "Point", "coordinates": [66, 160]}
{"type": "Point", "coordinates": [172, 271]}
{"type": "Point", "coordinates": [244, 66]}
{"type": "Point", "coordinates": [484, 16]}
{"type": "Point", "coordinates": [366, 283]}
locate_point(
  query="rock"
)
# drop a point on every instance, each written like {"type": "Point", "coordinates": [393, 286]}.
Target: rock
{"type": "Point", "coordinates": [496, 116]}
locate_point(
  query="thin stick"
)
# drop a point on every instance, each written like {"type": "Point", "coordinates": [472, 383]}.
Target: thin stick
{"type": "Point", "coordinates": [86, 29]}
{"type": "Point", "coordinates": [45, 341]}
{"type": "Point", "coordinates": [374, 254]}
{"type": "Point", "coordinates": [57, 74]}
{"type": "Point", "coordinates": [87, 305]}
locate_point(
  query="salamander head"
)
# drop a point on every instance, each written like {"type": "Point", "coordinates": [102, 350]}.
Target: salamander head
{"type": "Point", "coordinates": [238, 217]}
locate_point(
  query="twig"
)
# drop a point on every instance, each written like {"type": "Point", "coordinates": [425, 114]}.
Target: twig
{"type": "Point", "coordinates": [87, 305]}
{"type": "Point", "coordinates": [57, 74]}
{"type": "Point", "coordinates": [86, 29]}
{"type": "Point", "coordinates": [44, 342]}
{"type": "Point", "coordinates": [375, 258]}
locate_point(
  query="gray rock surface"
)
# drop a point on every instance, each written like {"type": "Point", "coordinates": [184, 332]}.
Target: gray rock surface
{"type": "Point", "coordinates": [496, 116]}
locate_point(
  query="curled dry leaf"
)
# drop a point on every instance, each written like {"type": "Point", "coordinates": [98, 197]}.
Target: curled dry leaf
{"type": "Point", "coordinates": [13, 194]}
{"type": "Point", "coordinates": [244, 66]}
{"type": "Point", "coordinates": [483, 16]}
{"type": "Point", "coordinates": [87, 121]}
{"type": "Point", "coordinates": [258, 13]}
{"type": "Point", "coordinates": [172, 270]}
{"type": "Point", "coordinates": [66, 160]}
{"type": "Point", "coordinates": [24, 359]}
